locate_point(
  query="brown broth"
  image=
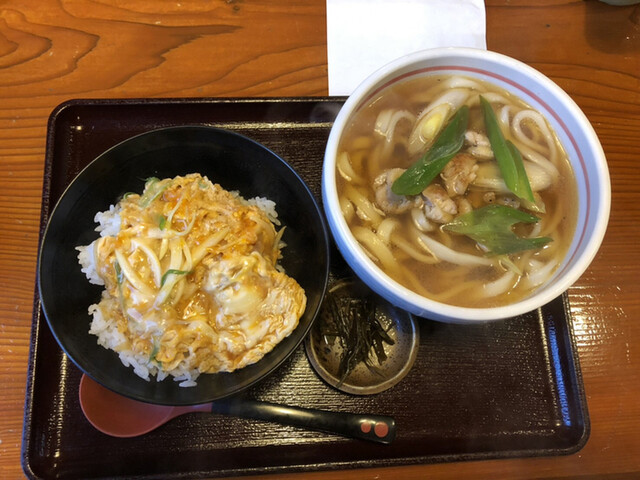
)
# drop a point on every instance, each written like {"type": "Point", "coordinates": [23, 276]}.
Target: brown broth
{"type": "Point", "coordinates": [454, 284]}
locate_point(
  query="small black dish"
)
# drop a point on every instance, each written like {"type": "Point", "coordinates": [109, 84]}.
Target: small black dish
{"type": "Point", "coordinates": [236, 163]}
{"type": "Point", "coordinates": [325, 354]}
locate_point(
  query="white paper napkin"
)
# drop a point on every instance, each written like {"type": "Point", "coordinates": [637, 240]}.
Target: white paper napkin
{"type": "Point", "coordinates": [364, 35]}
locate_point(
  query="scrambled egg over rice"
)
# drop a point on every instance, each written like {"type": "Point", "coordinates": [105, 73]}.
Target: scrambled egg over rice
{"type": "Point", "coordinates": [191, 277]}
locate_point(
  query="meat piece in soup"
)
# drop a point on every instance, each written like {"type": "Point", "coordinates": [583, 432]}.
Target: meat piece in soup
{"type": "Point", "coordinates": [415, 237]}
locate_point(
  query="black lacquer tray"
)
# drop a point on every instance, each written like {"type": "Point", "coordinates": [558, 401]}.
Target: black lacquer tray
{"type": "Point", "coordinates": [499, 390]}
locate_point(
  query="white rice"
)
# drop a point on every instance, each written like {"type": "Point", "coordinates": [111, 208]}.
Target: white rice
{"type": "Point", "coordinates": [87, 262]}
{"type": "Point", "coordinates": [267, 206]}
{"type": "Point", "coordinates": [109, 222]}
{"type": "Point", "coordinates": [108, 226]}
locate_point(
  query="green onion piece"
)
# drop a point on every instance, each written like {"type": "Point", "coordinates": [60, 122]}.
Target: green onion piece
{"type": "Point", "coordinates": [162, 222]}
{"type": "Point", "coordinates": [170, 272]}
{"type": "Point", "coordinates": [490, 226]}
{"type": "Point", "coordinates": [154, 352]}
{"type": "Point", "coordinates": [507, 155]}
{"type": "Point", "coordinates": [509, 264]}
{"type": "Point", "coordinates": [153, 188]}
{"type": "Point", "coordinates": [120, 281]}
{"type": "Point", "coordinates": [522, 179]}
{"type": "Point", "coordinates": [119, 274]}
{"type": "Point", "coordinates": [416, 178]}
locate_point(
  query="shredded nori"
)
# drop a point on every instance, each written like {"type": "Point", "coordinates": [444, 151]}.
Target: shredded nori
{"type": "Point", "coordinates": [355, 324]}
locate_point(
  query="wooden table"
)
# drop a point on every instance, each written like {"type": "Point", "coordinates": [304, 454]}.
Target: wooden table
{"type": "Point", "coordinates": [51, 51]}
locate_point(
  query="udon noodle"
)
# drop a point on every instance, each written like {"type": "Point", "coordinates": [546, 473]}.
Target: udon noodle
{"type": "Point", "coordinates": [411, 236]}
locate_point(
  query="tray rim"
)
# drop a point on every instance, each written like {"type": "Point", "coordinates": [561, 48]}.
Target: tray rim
{"type": "Point", "coordinates": [37, 321]}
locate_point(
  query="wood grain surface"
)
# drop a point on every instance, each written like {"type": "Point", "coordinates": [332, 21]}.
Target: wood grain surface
{"type": "Point", "coordinates": [55, 50]}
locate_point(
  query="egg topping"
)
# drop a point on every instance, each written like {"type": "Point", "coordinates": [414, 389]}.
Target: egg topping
{"type": "Point", "coordinates": [192, 280]}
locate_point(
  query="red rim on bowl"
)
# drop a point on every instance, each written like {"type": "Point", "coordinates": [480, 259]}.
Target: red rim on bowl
{"type": "Point", "coordinates": [573, 130]}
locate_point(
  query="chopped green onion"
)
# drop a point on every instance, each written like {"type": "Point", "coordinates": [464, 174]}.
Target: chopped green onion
{"type": "Point", "coordinates": [119, 274]}
{"type": "Point", "coordinates": [523, 180]}
{"type": "Point", "coordinates": [509, 264]}
{"type": "Point", "coordinates": [507, 156]}
{"type": "Point", "coordinates": [120, 281]}
{"type": "Point", "coordinates": [153, 188]}
{"type": "Point", "coordinates": [490, 226]}
{"type": "Point", "coordinates": [416, 178]}
{"type": "Point", "coordinates": [170, 272]}
{"type": "Point", "coordinates": [537, 207]}
{"type": "Point", "coordinates": [154, 352]}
